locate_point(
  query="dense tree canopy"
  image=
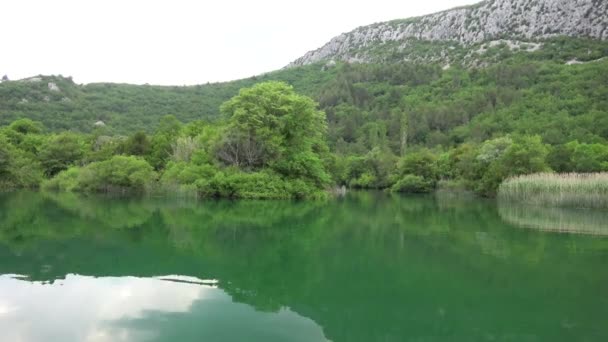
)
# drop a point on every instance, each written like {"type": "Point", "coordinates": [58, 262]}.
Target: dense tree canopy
{"type": "Point", "coordinates": [271, 144]}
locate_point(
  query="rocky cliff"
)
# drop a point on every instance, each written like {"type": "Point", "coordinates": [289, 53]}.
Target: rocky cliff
{"type": "Point", "coordinates": [514, 22]}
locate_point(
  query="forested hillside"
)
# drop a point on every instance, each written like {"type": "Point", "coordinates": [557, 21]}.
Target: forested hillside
{"type": "Point", "coordinates": [405, 126]}
{"type": "Point", "coordinates": [61, 104]}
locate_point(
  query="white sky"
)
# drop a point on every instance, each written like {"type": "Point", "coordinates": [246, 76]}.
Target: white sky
{"type": "Point", "coordinates": [176, 42]}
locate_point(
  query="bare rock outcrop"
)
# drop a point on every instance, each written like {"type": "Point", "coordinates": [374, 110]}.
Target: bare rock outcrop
{"type": "Point", "coordinates": [491, 20]}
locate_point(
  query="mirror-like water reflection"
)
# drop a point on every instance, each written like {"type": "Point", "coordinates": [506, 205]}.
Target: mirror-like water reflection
{"type": "Point", "coordinates": [561, 220]}
{"type": "Point", "coordinates": [80, 308]}
{"type": "Point", "coordinates": [369, 267]}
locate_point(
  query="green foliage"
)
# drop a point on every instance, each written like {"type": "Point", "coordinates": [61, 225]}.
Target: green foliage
{"type": "Point", "coordinates": [161, 143]}
{"type": "Point", "coordinates": [260, 185]}
{"type": "Point", "coordinates": [182, 173]}
{"type": "Point", "coordinates": [412, 184]}
{"type": "Point", "coordinates": [18, 168]}
{"type": "Point", "coordinates": [24, 172]}
{"type": "Point", "coordinates": [526, 155]}
{"type": "Point", "coordinates": [61, 151]}
{"type": "Point", "coordinates": [371, 171]}
{"type": "Point", "coordinates": [523, 156]}
{"type": "Point", "coordinates": [422, 163]}
{"type": "Point", "coordinates": [137, 145]}
{"type": "Point", "coordinates": [119, 172]}
{"type": "Point", "coordinates": [270, 125]}
{"type": "Point", "coordinates": [585, 157]}
{"type": "Point", "coordinates": [125, 108]}
{"type": "Point", "coordinates": [67, 180]}
{"type": "Point", "coordinates": [117, 175]}
{"type": "Point", "coordinates": [372, 126]}
{"type": "Point", "coordinates": [272, 115]}
{"type": "Point", "coordinates": [5, 157]}
{"type": "Point", "coordinates": [26, 126]}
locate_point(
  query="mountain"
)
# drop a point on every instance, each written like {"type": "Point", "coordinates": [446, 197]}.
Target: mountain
{"type": "Point", "coordinates": [512, 44]}
{"type": "Point", "coordinates": [442, 37]}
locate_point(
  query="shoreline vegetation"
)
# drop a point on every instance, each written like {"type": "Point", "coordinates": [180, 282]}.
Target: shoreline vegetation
{"type": "Point", "coordinates": [270, 146]}
{"type": "Point", "coordinates": [397, 127]}
{"type": "Point", "coordinates": [577, 190]}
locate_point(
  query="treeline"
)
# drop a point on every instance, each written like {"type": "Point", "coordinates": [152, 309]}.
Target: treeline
{"type": "Point", "coordinates": [271, 145]}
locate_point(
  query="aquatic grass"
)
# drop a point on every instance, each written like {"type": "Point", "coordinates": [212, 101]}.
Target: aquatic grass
{"type": "Point", "coordinates": [576, 190]}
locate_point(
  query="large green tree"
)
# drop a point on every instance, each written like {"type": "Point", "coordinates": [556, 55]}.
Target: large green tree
{"type": "Point", "coordinates": [165, 135]}
{"type": "Point", "coordinates": [271, 125]}
{"type": "Point", "coordinates": [60, 152]}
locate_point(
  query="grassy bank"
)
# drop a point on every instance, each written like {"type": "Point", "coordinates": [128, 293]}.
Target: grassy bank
{"type": "Point", "coordinates": [578, 190]}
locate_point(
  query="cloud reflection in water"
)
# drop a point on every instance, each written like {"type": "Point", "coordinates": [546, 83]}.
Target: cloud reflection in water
{"type": "Point", "coordinates": [81, 308]}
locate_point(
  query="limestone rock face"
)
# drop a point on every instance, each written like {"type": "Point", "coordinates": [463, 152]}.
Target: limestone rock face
{"type": "Point", "coordinates": [491, 20]}
{"type": "Point", "coordinates": [53, 87]}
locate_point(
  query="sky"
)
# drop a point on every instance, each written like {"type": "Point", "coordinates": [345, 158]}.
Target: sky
{"type": "Point", "coordinates": [179, 42]}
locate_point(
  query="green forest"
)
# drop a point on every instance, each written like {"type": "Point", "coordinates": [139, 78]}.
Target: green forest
{"type": "Point", "coordinates": [302, 132]}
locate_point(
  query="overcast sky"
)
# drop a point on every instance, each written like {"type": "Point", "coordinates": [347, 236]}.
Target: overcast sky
{"type": "Point", "coordinates": [176, 42]}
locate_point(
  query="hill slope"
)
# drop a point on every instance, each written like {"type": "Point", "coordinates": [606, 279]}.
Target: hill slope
{"type": "Point", "coordinates": [401, 57]}
{"type": "Point", "coordinates": [521, 23]}
{"type": "Point", "coordinates": [61, 104]}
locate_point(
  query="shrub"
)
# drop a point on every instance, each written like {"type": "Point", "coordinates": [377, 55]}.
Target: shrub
{"type": "Point", "coordinates": [422, 163]}
{"type": "Point", "coordinates": [186, 173]}
{"type": "Point", "coordinates": [66, 180]}
{"type": "Point", "coordinates": [259, 185]}
{"type": "Point", "coordinates": [412, 184]}
{"type": "Point", "coordinates": [17, 168]}
{"type": "Point", "coordinates": [118, 174]}
{"type": "Point", "coordinates": [60, 152]}
{"type": "Point", "coordinates": [524, 156]}
{"type": "Point", "coordinates": [364, 181]}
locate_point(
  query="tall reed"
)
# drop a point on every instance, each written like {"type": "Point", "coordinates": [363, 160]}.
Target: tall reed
{"type": "Point", "coordinates": [577, 190]}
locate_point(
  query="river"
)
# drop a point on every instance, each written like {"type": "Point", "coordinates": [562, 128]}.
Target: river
{"type": "Point", "coordinates": [366, 267]}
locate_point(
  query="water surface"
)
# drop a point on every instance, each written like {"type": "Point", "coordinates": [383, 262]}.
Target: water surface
{"type": "Point", "coordinates": [368, 267]}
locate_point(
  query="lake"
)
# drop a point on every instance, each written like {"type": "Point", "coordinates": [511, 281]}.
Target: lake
{"type": "Point", "coordinates": [366, 267]}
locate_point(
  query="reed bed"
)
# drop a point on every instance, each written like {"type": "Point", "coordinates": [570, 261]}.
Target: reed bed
{"type": "Point", "coordinates": [575, 190]}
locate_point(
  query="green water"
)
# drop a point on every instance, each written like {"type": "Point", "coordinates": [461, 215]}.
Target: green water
{"type": "Point", "coordinates": [368, 267]}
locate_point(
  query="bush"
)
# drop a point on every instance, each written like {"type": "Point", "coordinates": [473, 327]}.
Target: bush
{"type": "Point", "coordinates": [17, 168]}
{"type": "Point", "coordinates": [412, 184]}
{"type": "Point", "coordinates": [185, 173]}
{"type": "Point", "coordinates": [65, 180]}
{"type": "Point", "coordinates": [422, 163]}
{"type": "Point", "coordinates": [118, 174]}
{"type": "Point", "coordinates": [364, 181]}
{"type": "Point", "coordinates": [259, 185]}
{"type": "Point", "coordinates": [525, 155]}
{"type": "Point", "coordinates": [60, 152]}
